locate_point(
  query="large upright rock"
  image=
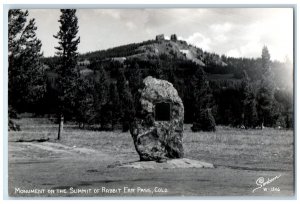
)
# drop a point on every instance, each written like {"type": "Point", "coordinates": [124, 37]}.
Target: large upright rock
{"type": "Point", "coordinates": [158, 127]}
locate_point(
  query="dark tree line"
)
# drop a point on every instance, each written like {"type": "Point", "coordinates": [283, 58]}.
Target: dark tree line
{"type": "Point", "coordinates": [240, 102]}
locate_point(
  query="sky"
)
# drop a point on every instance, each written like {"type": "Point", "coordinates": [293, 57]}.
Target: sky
{"type": "Point", "coordinates": [236, 32]}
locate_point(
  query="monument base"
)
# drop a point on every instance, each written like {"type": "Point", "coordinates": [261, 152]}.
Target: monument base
{"type": "Point", "coordinates": [182, 163]}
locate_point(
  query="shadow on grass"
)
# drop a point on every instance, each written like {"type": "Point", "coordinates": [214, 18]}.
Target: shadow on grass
{"type": "Point", "coordinates": [33, 140]}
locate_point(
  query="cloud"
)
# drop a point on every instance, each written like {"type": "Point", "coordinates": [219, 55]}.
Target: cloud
{"type": "Point", "coordinates": [251, 49]}
{"type": "Point", "coordinates": [273, 28]}
{"type": "Point", "coordinates": [130, 25]}
{"type": "Point", "coordinates": [116, 14]}
{"type": "Point", "coordinates": [234, 53]}
{"type": "Point", "coordinates": [167, 37]}
{"type": "Point", "coordinates": [221, 28]}
{"type": "Point", "coordinates": [198, 40]}
{"type": "Point", "coordinates": [221, 38]}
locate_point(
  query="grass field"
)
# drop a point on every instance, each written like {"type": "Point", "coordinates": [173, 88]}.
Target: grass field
{"type": "Point", "coordinates": [83, 160]}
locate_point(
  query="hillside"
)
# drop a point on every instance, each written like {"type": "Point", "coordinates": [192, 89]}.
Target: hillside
{"type": "Point", "coordinates": [150, 49]}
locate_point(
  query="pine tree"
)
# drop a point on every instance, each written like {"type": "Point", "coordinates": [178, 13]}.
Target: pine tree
{"type": "Point", "coordinates": [135, 78]}
{"type": "Point", "coordinates": [264, 99]}
{"type": "Point", "coordinates": [26, 75]}
{"type": "Point", "coordinates": [285, 98]}
{"type": "Point", "coordinates": [249, 114]}
{"type": "Point", "coordinates": [135, 82]}
{"type": "Point", "coordinates": [157, 71]}
{"type": "Point", "coordinates": [265, 94]}
{"type": "Point", "coordinates": [67, 53]}
{"type": "Point", "coordinates": [265, 56]}
{"type": "Point", "coordinates": [205, 121]}
{"type": "Point", "coordinates": [201, 90]}
{"type": "Point", "coordinates": [126, 101]}
{"type": "Point", "coordinates": [202, 98]}
{"type": "Point", "coordinates": [129, 110]}
{"type": "Point", "coordinates": [100, 95]}
{"type": "Point", "coordinates": [171, 76]}
{"type": "Point", "coordinates": [85, 112]}
{"type": "Point", "coordinates": [114, 105]}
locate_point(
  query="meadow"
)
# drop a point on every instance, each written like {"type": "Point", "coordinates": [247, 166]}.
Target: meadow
{"type": "Point", "coordinates": [86, 159]}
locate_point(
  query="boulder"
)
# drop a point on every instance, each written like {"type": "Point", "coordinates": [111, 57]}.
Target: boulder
{"type": "Point", "coordinates": [174, 37]}
{"type": "Point", "coordinates": [158, 126]}
{"type": "Point", "coordinates": [160, 37]}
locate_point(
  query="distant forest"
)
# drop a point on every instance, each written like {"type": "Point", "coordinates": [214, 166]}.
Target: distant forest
{"type": "Point", "coordinates": [239, 92]}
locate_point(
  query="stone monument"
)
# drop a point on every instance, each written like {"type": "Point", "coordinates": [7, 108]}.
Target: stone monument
{"type": "Point", "coordinates": [158, 126]}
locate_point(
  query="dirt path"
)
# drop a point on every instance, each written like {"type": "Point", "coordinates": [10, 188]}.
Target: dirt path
{"type": "Point", "coordinates": [63, 149]}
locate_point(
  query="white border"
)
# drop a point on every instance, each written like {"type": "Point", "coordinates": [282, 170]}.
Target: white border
{"type": "Point", "coordinates": [67, 3]}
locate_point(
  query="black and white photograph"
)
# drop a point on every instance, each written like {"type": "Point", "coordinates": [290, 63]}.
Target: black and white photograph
{"type": "Point", "coordinates": [150, 102]}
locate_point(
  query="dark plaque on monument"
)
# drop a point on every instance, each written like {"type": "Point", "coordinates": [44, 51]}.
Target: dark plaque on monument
{"type": "Point", "coordinates": [162, 111]}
